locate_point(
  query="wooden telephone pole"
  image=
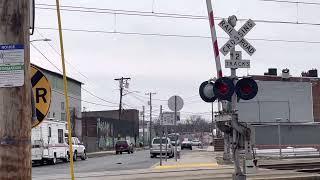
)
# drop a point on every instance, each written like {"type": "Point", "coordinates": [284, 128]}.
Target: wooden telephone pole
{"type": "Point", "coordinates": [15, 101]}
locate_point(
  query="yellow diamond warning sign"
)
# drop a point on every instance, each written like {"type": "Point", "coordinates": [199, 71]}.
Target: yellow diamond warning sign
{"type": "Point", "coordinates": [42, 94]}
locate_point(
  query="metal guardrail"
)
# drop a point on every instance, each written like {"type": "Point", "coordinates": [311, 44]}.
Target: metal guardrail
{"type": "Point", "coordinates": [287, 151]}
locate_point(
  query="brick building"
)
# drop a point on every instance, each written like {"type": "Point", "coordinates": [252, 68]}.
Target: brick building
{"type": "Point", "coordinates": [100, 129]}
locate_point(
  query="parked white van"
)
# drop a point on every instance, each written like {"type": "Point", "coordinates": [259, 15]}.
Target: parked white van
{"type": "Point", "coordinates": [48, 142]}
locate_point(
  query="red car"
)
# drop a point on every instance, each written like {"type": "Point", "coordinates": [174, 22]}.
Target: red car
{"type": "Point", "coordinates": [124, 146]}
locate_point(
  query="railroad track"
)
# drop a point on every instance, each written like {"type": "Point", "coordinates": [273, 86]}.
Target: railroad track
{"type": "Point", "coordinates": [310, 167]}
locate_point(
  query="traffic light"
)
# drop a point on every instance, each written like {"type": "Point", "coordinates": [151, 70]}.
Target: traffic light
{"type": "Point", "coordinates": [224, 88]}
{"type": "Point", "coordinates": [206, 91]}
{"type": "Point", "coordinates": [246, 88]}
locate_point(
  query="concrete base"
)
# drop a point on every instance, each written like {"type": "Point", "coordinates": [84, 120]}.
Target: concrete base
{"type": "Point", "coordinates": [239, 177]}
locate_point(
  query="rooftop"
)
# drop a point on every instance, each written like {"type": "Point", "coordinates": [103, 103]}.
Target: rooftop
{"type": "Point", "coordinates": [279, 78]}
{"type": "Point", "coordinates": [56, 74]}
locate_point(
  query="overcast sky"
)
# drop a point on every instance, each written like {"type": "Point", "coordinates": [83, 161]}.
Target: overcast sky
{"type": "Point", "coordinates": [170, 65]}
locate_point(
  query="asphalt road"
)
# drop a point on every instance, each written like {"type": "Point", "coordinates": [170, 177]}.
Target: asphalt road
{"type": "Point", "coordinates": [137, 160]}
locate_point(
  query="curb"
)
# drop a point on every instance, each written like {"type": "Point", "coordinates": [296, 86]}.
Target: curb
{"type": "Point", "coordinates": [107, 153]}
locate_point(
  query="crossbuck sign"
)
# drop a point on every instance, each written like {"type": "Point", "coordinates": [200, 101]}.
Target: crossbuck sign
{"type": "Point", "coordinates": [237, 37]}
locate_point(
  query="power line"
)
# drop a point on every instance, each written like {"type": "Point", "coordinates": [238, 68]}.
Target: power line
{"type": "Point", "coordinates": [137, 98]}
{"type": "Point", "coordinates": [170, 15]}
{"type": "Point", "coordinates": [38, 50]}
{"type": "Point", "coordinates": [292, 2]}
{"type": "Point", "coordinates": [71, 66]}
{"type": "Point", "coordinates": [97, 96]}
{"type": "Point", "coordinates": [121, 12]}
{"type": "Point", "coordinates": [177, 35]}
{"type": "Point", "coordinates": [89, 102]}
{"type": "Point", "coordinates": [163, 100]}
{"type": "Point", "coordinates": [204, 113]}
{"type": "Point", "coordinates": [146, 97]}
{"type": "Point", "coordinates": [56, 51]}
{"type": "Point", "coordinates": [128, 14]}
{"type": "Point", "coordinates": [191, 97]}
{"type": "Point", "coordinates": [126, 33]}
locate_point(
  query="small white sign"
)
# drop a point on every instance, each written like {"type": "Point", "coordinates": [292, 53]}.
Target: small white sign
{"type": "Point", "coordinates": [168, 118]}
{"type": "Point", "coordinates": [237, 64]}
{"type": "Point", "coordinates": [11, 65]}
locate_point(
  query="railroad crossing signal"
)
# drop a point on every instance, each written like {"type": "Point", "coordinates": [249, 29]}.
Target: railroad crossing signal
{"type": "Point", "coordinates": [206, 91]}
{"type": "Point", "coordinates": [224, 88]}
{"type": "Point", "coordinates": [42, 94]}
{"type": "Point", "coordinates": [246, 88]}
{"type": "Point", "coordinates": [237, 37]}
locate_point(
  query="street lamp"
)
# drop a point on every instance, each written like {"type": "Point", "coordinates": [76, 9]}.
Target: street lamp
{"type": "Point", "coordinates": [45, 39]}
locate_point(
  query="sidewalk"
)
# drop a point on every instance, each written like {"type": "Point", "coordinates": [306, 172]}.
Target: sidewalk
{"type": "Point", "coordinates": [193, 165]}
{"type": "Point", "coordinates": [192, 159]}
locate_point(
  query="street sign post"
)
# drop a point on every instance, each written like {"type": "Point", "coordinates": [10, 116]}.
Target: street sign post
{"type": "Point", "coordinates": [175, 103]}
{"type": "Point", "coordinates": [42, 94]}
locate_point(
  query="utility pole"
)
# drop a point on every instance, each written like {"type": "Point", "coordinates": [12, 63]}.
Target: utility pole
{"type": "Point", "coordinates": [143, 125]}
{"type": "Point", "coordinates": [150, 126]}
{"type": "Point", "coordinates": [122, 81]}
{"type": "Point", "coordinates": [15, 103]}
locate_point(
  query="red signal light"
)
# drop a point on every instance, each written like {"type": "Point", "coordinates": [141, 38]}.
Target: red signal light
{"type": "Point", "coordinates": [223, 88]}
{"type": "Point", "coordinates": [246, 89]}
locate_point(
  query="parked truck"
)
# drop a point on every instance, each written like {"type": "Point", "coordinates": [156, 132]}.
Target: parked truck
{"type": "Point", "coordinates": [79, 150]}
{"type": "Point", "coordinates": [48, 142]}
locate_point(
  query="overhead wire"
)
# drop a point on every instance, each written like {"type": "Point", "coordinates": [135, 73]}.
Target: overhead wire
{"type": "Point", "coordinates": [137, 98]}
{"type": "Point", "coordinates": [56, 51]}
{"type": "Point", "coordinates": [121, 12]}
{"type": "Point", "coordinates": [171, 15]}
{"type": "Point", "coordinates": [189, 17]}
{"type": "Point", "coordinates": [292, 2]}
{"type": "Point", "coordinates": [177, 35]}
{"type": "Point", "coordinates": [89, 102]}
{"type": "Point", "coordinates": [89, 92]}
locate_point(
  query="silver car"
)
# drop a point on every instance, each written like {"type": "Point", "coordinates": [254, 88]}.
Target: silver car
{"type": "Point", "coordinates": [155, 147]}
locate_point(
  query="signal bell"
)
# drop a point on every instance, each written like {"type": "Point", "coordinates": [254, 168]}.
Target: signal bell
{"type": "Point", "coordinates": [246, 88]}
{"type": "Point", "coordinates": [224, 88]}
{"type": "Point", "coordinates": [206, 92]}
